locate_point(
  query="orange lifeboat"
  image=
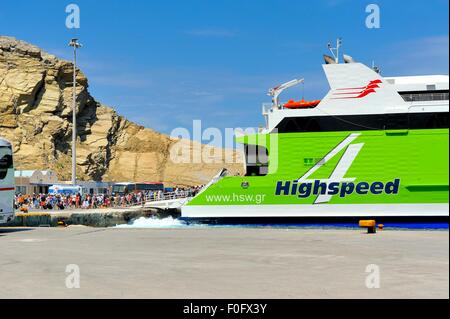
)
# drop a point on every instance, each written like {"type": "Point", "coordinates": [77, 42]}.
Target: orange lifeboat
{"type": "Point", "coordinates": [291, 104]}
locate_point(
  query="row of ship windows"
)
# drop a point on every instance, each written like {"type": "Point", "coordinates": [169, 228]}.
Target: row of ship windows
{"type": "Point", "coordinates": [364, 122]}
{"type": "Point", "coordinates": [422, 96]}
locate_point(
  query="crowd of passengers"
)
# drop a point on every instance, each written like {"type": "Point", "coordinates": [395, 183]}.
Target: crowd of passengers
{"type": "Point", "coordinates": [93, 201]}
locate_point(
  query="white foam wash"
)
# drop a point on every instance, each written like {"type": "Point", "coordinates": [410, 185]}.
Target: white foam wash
{"type": "Point", "coordinates": [153, 222]}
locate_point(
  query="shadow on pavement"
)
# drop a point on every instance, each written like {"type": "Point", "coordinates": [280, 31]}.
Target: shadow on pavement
{"type": "Point", "coordinates": [7, 230]}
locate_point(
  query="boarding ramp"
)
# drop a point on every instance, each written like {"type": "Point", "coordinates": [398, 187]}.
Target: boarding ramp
{"type": "Point", "coordinates": [174, 200]}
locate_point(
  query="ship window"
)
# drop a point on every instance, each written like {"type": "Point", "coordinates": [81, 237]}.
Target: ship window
{"type": "Point", "coordinates": [257, 160]}
{"type": "Point", "coordinates": [342, 123]}
{"type": "Point", "coordinates": [422, 96]}
{"type": "Point", "coordinates": [429, 120]}
{"type": "Point", "coordinates": [313, 126]}
{"type": "Point", "coordinates": [331, 124]}
{"type": "Point", "coordinates": [397, 122]}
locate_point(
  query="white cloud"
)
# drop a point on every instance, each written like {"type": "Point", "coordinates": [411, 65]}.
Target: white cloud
{"type": "Point", "coordinates": [335, 3]}
{"type": "Point", "coordinates": [171, 97]}
{"type": "Point", "coordinates": [422, 56]}
{"type": "Point", "coordinates": [429, 47]}
{"type": "Point", "coordinates": [133, 81]}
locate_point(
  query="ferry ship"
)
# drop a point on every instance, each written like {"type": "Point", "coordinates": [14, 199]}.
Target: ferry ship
{"type": "Point", "coordinates": [373, 147]}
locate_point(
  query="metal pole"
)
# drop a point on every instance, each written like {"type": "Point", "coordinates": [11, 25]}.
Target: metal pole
{"type": "Point", "coordinates": [337, 51]}
{"type": "Point", "coordinates": [74, 43]}
{"type": "Point", "coordinates": [74, 118]}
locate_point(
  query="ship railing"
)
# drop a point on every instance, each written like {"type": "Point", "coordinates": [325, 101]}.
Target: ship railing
{"type": "Point", "coordinates": [153, 198]}
{"type": "Point", "coordinates": [167, 196]}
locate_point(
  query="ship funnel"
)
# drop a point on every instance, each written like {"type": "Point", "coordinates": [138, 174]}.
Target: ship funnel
{"type": "Point", "coordinates": [348, 59]}
{"type": "Point", "coordinates": [328, 59]}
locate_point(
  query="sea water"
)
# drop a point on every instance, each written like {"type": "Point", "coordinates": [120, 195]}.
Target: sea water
{"type": "Point", "coordinates": [170, 222]}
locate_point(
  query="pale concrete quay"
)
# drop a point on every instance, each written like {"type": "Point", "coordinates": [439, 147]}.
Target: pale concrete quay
{"type": "Point", "coordinates": [222, 263]}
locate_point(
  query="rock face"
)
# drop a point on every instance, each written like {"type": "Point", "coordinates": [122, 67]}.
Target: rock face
{"type": "Point", "coordinates": [36, 116]}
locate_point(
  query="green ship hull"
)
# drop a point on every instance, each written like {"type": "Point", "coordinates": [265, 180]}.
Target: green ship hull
{"type": "Point", "coordinates": [336, 174]}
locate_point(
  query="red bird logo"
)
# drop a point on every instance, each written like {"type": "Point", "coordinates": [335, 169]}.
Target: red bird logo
{"type": "Point", "coordinates": [362, 91]}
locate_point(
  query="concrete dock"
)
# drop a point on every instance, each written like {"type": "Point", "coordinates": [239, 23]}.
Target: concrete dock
{"type": "Point", "coordinates": [222, 263]}
{"type": "Point", "coordinates": [102, 217]}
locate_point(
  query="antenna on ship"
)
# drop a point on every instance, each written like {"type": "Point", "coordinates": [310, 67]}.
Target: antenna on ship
{"type": "Point", "coordinates": [375, 68]}
{"type": "Point", "coordinates": [303, 90]}
{"type": "Point", "coordinates": [335, 51]}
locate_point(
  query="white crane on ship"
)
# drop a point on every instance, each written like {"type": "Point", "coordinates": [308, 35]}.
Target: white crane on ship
{"type": "Point", "coordinates": [276, 91]}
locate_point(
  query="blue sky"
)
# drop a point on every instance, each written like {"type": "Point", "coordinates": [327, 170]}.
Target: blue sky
{"type": "Point", "coordinates": [164, 64]}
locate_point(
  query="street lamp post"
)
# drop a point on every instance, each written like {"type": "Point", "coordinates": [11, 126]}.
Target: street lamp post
{"type": "Point", "coordinates": [74, 43]}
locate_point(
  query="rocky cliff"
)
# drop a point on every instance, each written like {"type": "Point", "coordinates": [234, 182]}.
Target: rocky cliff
{"type": "Point", "coordinates": [36, 115]}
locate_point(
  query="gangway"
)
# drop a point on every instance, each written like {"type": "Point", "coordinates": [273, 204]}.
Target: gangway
{"type": "Point", "coordinates": [177, 199]}
{"type": "Point", "coordinates": [165, 201]}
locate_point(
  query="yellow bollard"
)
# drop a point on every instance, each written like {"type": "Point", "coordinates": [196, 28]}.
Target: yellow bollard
{"type": "Point", "coordinates": [370, 225]}
{"type": "Point", "coordinates": [61, 223]}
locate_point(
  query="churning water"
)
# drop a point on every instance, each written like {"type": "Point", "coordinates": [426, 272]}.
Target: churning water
{"type": "Point", "coordinates": [153, 222]}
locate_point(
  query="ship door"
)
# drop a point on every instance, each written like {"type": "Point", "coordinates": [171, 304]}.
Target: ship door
{"type": "Point", "coordinates": [257, 160]}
